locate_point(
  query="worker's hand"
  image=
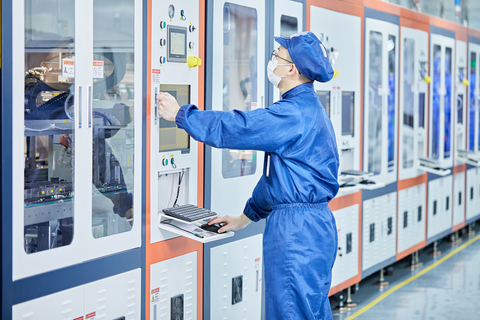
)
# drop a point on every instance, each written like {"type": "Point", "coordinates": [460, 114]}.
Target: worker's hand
{"type": "Point", "coordinates": [230, 223]}
{"type": "Point", "coordinates": [167, 106]}
{"type": "Point", "coordinates": [129, 216]}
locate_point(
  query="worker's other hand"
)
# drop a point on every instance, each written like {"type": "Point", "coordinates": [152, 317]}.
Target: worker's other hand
{"type": "Point", "coordinates": [167, 106]}
{"type": "Point", "coordinates": [230, 223]}
{"type": "Point", "coordinates": [129, 216]}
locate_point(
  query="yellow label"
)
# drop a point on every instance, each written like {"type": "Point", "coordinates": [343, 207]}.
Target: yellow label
{"type": "Point", "coordinates": [65, 121]}
{"type": "Point", "coordinates": [43, 192]}
{"type": "Point", "coordinates": [60, 189]}
{"type": "Point", "coordinates": [170, 20]}
{"type": "Point", "coordinates": [51, 191]}
{"type": "Point", "coordinates": [171, 156]}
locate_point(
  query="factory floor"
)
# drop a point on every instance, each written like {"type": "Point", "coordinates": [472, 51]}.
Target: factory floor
{"type": "Point", "coordinates": [445, 287]}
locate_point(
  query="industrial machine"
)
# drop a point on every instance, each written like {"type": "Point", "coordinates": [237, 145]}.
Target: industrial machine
{"type": "Point", "coordinates": [461, 156]}
{"type": "Point", "coordinates": [414, 79]}
{"type": "Point", "coordinates": [473, 98]}
{"type": "Point", "coordinates": [236, 56]}
{"type": "Point", "coordinates": [442, 94]}
{"type": "Point", "coordinates": [341, 98]}
{"type": "Point", "coordinates": [380, 139]}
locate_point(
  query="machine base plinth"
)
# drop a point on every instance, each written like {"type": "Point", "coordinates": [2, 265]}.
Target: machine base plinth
{"type": "Point", "coordinates": [415, 266]}
{"type": "Point", "coordinates": [341, 309]}
{"type": "Point", "coordinates": [435, 253]}
{"type": "Point", "coordinates": [457, 241]}
{"type": "Point", "coordinates": [350, 305]}
{"type": "Point", "coordinates": [381, 283]}
{"type": "Point", "coordinates": [471, 233]}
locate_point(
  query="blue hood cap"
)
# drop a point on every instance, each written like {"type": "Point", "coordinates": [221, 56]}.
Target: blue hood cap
{"type": "Point", "coordinates": [309, 55]}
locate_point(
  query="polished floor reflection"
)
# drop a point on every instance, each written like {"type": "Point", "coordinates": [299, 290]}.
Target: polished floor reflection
{"type": "Point", "coordinates": [450, 290]}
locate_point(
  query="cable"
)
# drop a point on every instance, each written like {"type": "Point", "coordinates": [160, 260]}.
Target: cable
{"type": "Point", "coordinates": [180, 178]}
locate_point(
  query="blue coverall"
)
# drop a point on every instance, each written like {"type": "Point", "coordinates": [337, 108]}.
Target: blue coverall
{"type": "Point", "coordinates": [300, 239]}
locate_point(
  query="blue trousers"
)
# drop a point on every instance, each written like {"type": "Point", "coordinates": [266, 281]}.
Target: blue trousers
{"type": "Point", "coordinates": [299, 248]}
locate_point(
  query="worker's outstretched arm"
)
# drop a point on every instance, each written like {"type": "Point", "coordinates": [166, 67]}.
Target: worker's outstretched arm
{"type": "Point", "coordinates": [260, 129]}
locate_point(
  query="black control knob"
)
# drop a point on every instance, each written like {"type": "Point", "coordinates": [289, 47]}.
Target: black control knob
{"type": "Point", "coordinates": [191, 28]}
{"type": "Point", "coordinates": [162, 60]}
{"type": "Point", "coordinates": [162, 42]}
{"type": "Point", "coordinates": [191, 45]}
{"type": "Point", "coordinates": [163, 24]}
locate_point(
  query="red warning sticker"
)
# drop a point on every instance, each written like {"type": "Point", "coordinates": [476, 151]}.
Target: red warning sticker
{"type": "Point", "coordinates": [155, 290]}
{"type": "Point", "coordinates": [79, 318]}
{"type": "Point", "coordinates": [156, 76]}
{"type": "Point", "coordinates": [90, 315]}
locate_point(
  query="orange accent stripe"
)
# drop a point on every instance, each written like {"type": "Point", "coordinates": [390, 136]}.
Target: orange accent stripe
{"type": "Point", "coordinates": [408, 183]}
{"type": "Point", "coordinates": [346, 201]}
{"type": "Point", "coordinates": [352, 7]}
{"type": "Point", "coordinates": [459, 226]}
{"type": "Point", "coordinates": [459, 168]}
{"type": "Point", "coordinates": [344, 285]}
{"type": "Point", "coordinates": [383, 6]}
{"type": "Point", "coordinates": [461, 33]}
{"type": "Point", "coordinates": [201, 102]}
{"type": "Point", "coordinates": [474, 33]}
{"type": "Point", "coordinates": [411, 250]}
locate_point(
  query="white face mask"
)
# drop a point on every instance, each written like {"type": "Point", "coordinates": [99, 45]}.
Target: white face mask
{"type": "Point", "coordinates": [275, 79]}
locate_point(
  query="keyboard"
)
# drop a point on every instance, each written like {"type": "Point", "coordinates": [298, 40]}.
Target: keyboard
{"type": "Point", "coordinates": [189, 213]}
{"type": "Point", "coordinates": [353, 173]}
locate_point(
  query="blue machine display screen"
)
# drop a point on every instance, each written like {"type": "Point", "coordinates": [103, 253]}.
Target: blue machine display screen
{"type": "Point", "coordinates": [437, 59]}
{"type": "Point", "coordinates": [348, 110]}
{"type": "Point", "coordinates": [421, 110]}
{"type": "Point", "coordinates": [325, 100]}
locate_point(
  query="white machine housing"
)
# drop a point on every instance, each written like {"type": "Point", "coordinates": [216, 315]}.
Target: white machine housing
{"type": "Point", "coordinates": [440, 205]}
{"type": "Point", "coordinates": [164, 179]}
{"type": "Point", "coordinates": [387, 167]}
{"type": "Point", "coordinates": [379, 230]}
{"type": "Point", "coordinates": [293, 11]}
{"type": "Point", "coordinates": [345, 53]}
{"type": "Point", "coordinates": [411, 217]}
{"type": "Point", "coordinates": [458, 197]}
{"type": "Point", "coordinates": [237, 267]}
{"type": "Point", "coordinates": [473, 193]}
{"type": "Point", "coordinates": [172, 280]}
{"type": "Point", "coordinates": [110, 298]}
{"type": "Point", "coordinates": [346, 263]}
{"type": "Point", "coordinates": [413, 137]}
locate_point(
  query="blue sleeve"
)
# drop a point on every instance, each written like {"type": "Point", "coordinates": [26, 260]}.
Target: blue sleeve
{"type": "Point", "coordinates": [260, 129]}
{"type": "Point", "coordinates": [257, 206]}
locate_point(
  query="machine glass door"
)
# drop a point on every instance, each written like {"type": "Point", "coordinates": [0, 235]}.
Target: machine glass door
{"type": "Point", "coordinates": [408, 102]}
{"type": "Point", "coordinates": [50, 111]}
{"type": "Point", "coordinates": [238, 84]}
{"type": "Point", "coordinates": [239, 79]}
{"type": "Point", "coordinates": [472, 99]}
{"type": "Point", "coordinates": [375, 102]}
{"type": "Point", "coordinates": [436, 83]}
{"type": "Point", "coordinates": [112, 100]}
{"type": "Point", "coordinates": [392, 91]}
{"type": "Point", "coordinates": [447, 108]}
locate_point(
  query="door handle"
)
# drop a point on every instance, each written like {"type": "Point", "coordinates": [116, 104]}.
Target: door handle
{"type": "Point", "coordinates": [78, 109]}
{"type": "Point", "coordinates": [90, 109]}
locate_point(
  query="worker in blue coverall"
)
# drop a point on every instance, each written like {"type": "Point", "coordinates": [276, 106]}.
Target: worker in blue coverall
{"type": "Point", "coordinates": [298, 181]}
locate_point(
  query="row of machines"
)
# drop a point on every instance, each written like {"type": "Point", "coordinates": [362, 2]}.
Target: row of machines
{"type": "Point", "coordinates": [100, 166]}
{"type": "Point", "coordinates": [405, 111]}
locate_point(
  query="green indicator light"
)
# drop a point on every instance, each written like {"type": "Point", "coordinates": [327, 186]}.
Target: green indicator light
{"type": "Point", "coordinates": [473, 63]}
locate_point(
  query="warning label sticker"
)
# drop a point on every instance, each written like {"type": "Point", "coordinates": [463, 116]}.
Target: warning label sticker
{"type": "Point", "coordinates": [257, 263]}
{"type": "Point", "coordinates": [68, 70]}
{"type": "Point", "coordinates": [156, 76]}
{"type": "Point", "coordinates": [98, 69]}
{"type": "Point", "coordinates": [90, 316]}
{"type": "Point", "coordinates": [79, 318]}
{"type": "Point", "coordinates": [155, 295]}
{"type": "Point", "coordinates": [254, 106]}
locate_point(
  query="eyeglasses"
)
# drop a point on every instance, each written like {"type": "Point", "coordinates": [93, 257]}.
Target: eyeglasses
{"type": "Point", "coordinates": [275, 54]}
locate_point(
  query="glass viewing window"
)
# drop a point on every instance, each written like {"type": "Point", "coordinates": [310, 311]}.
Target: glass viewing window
{"type": "Point", "coordinates": [348, 113]}
{"type": "Point", "coordinates": [288, 26]}
{"type": "Point", "coordinates": [324, 97]}
{"type": "Point", "coordinates": [471, 107]}
{"type": "Point", "coordinates": [240, 28]}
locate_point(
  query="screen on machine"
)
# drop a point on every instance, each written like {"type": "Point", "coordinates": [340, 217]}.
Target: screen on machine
{"type": "Point", "coordinates": [325, 100]}
{"type": "Point", "coordinates": [348, 110]}
{"type": "Point", "coordinates": [170, 137]}
{"type": "Point", "coordinates": [177, 43]}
